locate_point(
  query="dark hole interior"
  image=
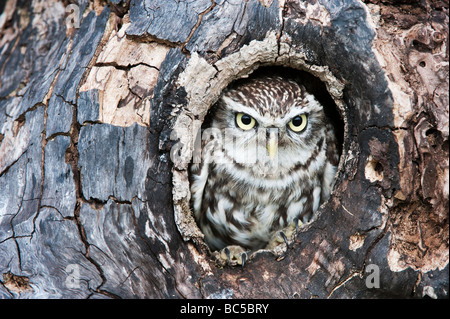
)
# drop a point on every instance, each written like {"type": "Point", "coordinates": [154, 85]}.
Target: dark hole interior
{"type": "Point", "coordinates": [378, 168]}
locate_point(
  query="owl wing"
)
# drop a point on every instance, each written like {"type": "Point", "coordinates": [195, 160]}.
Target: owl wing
{"type": "Point", "coordinates": [200, 168]}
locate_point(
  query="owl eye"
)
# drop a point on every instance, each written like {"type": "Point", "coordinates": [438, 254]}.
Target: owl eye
{"type": "Point", "coordinates": [245, 122]}
{"type": "Point", "coordinates": [298, 123]}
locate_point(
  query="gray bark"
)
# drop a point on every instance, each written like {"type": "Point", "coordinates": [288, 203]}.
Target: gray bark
{"type": "Point", "coordinates": [94, 96]}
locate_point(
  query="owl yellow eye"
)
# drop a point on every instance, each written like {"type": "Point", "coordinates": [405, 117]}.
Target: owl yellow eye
{"type": "Point", "coordinates": [298, 123]}
{"type": "Point", "coordinates": [245, 122]}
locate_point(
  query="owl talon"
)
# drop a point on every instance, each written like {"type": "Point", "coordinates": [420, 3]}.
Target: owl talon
{"type": "Point", "coordinates": [227, 252]}
{"type": "Point", "coordinates": [282, 234]}
{"type": "Point", "coordinates": [244, 258]}
{"type": "Point", "coordinates": [232, 256]}
{"type": "Point", "coordinates": [296, 221]}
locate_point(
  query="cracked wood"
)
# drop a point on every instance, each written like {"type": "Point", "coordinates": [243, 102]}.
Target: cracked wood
{"type": "Point", "coordinates": [86, 118]}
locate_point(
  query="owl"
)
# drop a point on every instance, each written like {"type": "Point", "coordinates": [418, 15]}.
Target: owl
{"type": "Point", "coordinates": [268, 158]}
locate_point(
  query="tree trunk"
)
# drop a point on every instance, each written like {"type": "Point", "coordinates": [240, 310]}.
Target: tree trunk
{"type": "Point", "coordinates": [99, 102]}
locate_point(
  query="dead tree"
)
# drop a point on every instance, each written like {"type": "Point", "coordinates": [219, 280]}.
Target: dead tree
{"type": "Point", "coordinates": [95, 95]}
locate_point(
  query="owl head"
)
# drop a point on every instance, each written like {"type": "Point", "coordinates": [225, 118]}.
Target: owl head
{"type": "Point", "coordinates": [269, 124]}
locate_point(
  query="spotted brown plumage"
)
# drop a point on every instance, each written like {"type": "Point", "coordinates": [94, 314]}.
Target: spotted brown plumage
{"type": "Point", "coordinates": [269, 157]}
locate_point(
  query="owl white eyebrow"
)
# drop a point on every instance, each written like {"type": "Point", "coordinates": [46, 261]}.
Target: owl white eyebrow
{"type": "Point", "coordinates": [293, 113]}
{"type": "Point", "coordinates": [240, 108]}
{"type": "Point", "coordinates": [312, 106]}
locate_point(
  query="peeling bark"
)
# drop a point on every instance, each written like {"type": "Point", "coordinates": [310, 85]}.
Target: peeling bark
{"type": "Point", "coordinates": [95, 97]}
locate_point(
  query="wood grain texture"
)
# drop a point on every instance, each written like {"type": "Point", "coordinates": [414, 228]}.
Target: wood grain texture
{"type": "Point", "coordinates": [92, 204]}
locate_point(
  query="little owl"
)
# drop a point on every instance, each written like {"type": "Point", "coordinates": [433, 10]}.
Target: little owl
{"type": "Point", "coordinates": [268, 159]}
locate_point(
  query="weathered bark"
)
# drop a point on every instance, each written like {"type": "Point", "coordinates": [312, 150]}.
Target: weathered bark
{"type": "Point", "coordinates": [95, 97]}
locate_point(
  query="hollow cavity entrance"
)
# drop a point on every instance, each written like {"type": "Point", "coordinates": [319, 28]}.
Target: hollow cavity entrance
{"type": "Point", "coordinates": [265, 158]}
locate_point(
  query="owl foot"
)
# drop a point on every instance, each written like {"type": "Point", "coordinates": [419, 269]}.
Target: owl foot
{"type": "Point", "coordinates": [283, 236]}
{"type": "Point", "coordinates": [231, 255]}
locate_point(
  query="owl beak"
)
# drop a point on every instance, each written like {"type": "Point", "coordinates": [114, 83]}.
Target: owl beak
{"type": "Point", "coordinates": [272, 142]}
